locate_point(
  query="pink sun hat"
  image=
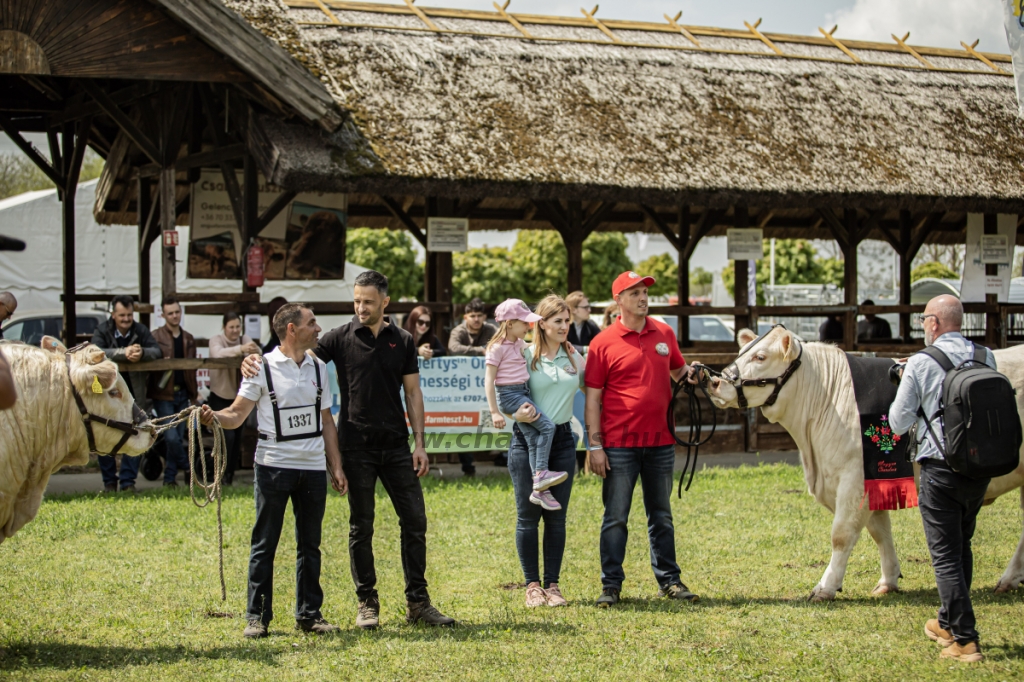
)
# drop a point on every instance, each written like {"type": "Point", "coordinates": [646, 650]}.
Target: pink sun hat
{"type": "Point", "coordinates": [514, 309]}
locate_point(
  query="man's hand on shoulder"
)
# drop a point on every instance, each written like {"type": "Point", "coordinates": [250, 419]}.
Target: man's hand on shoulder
{"type": "Point", "coordinates": [251, 365]}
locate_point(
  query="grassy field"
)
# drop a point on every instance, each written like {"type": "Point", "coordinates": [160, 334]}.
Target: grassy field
{"type": "Point", "coordinates": [124, 587]}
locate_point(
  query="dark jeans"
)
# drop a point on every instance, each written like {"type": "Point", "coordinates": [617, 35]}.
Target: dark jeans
{"type": "Point", "coordinates": [176, 438]}
{"type": "Point", "coordinates": [394, 469]}
{"type": "Point", "coordinates": [129, 470]}
{"type": "Point", "coordinates": [273, 488]}
{"type": "Point", "coordinates": [232, 438]}
{"type": "Point", "coordinates": [949, 509]}
{"type": "Point", "coordinates": [654, 467]}
{"type": "Point", "coordinates": [528, 515]}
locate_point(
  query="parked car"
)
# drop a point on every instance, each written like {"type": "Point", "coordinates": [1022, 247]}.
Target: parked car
{"type": "Point", "coordinates": [702, 327]}
{"type": "Point", "coordinates": [32, 326]}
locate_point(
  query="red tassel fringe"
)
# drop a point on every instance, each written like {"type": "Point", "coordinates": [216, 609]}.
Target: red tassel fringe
{"type": "Point", "coordinates": [893, 493]}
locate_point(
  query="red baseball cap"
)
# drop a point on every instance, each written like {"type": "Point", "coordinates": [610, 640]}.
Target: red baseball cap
{"type": "Point", "coordinates": [630, 279]}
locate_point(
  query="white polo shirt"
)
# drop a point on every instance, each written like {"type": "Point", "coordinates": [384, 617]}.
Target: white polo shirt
{"type": "Point", "coordinates": [295, 386]}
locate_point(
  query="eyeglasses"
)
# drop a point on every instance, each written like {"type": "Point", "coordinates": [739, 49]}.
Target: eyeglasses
{"type": "Point", "coordinates": [422, 323]}
{"type": "Point", "coordinates": [583, 307]}
{"type": "Point", "coordinates": [922, 317]}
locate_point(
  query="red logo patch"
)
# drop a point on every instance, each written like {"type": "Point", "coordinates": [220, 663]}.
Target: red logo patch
{"type": "Point", "coordinates": [392, 344]}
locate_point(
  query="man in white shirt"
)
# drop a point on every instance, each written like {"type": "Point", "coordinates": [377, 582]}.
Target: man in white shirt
{"type": "Point", "coordinates": [297, 449]}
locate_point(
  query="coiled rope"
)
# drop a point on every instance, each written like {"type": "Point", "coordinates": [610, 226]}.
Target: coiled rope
{"type": "Point", "coordinates": [696, 423]}
{"type": "Point", "coordinates": [211, 489]}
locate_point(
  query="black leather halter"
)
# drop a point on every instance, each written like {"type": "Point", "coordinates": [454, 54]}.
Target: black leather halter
{"type": "Point", "coordinates": [88, 418]}
{"type": "Point", "coordinates": [732, 374]}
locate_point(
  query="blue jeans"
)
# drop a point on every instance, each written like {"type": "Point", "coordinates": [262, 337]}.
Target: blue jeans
{"type": "Point", "coordinates": [307, 490]}
{"type": "Point", "coordinates": [129, 470]}
{"type": "Point", "coordinates": [528, 515]}
{"type": "Point", "coordinates": [654, 467]}
{"type": "Point", "coordinates": [174, 438]}
{"type": "Point", "coordinates": [538, 434]}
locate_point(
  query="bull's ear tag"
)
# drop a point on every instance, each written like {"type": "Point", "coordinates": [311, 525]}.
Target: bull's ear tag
{"type": "Point", "coordinates": [96, 388]}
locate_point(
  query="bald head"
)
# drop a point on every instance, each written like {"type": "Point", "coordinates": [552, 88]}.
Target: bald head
{"type": "Point", "coordinates": [8, 304]}
{"type": "Point", "coordinates": [942, 314]}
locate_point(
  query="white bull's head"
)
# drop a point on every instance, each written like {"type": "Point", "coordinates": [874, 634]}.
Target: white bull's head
{"type": "Point", "coordinates": [105, 394]}
{"type": "Point", "coordinates": [767, 358]}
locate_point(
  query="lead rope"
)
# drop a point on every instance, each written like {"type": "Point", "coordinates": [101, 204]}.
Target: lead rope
{"type": "Point", "coordinates": [696, 424]}
{"type": "Point", "coordinates": [211, 489]}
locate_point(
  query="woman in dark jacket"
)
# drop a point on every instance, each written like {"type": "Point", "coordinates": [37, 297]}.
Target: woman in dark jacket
{"type": "Point", "coordinates": [418, 324]}
{"type": "Point", "coordinates": [582, 330]}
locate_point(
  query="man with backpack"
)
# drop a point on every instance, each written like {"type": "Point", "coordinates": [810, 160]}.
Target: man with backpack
{"type": "Point", "coordinates": [965, 430]}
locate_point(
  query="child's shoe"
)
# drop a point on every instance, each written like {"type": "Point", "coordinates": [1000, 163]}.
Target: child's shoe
{"type": "Point", "coordinates": [545, 500]}
{"type": "Point", "coordinates": [544, 479]}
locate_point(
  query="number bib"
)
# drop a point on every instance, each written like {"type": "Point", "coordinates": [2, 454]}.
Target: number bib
{"type": "Point", "coordinates": [298, 421]}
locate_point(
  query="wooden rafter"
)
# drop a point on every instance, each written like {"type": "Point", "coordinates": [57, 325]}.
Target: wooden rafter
{"type": "Point", "coordinates": [396, 210]}
{"type": "Point", "coordinates": [985, 60]}
{"type": "Point", "coordinates": [673, 22]}
{"type": "Point", "coordinates": [597, 22]}
{"type": "Point", "coordinates": [762, 38]}
{"type": "Point", "coordinates": [902, 42]}
{"type": "Point", "coordinates": [836, 227]}
{"type": "Point", "coordinates": [671, 236]}
{"type": "Point", "coordinates": [511, 19]}
{"type": "Point", "coordinates": [278, 205]}
{"type": "Point", "coordinates": [423, 17]}
{"type": "Point", "coordinates": [30, 151]}
{"type": "Point", "coordinates": [597, 216]}
{"type": "Point", "coordinates": [328, 12]}
{"type": "Point", "coordinates": [124, 122]}
{"type": "Point", "coordinates": [835, 41]}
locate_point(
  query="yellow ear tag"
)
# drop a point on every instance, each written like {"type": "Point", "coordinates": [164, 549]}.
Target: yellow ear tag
{"type": "Point", "coordinates": [96, 388]}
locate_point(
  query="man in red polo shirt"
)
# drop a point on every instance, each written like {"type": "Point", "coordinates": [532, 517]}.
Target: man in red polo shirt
{"type": "Point", "coordinates": [628, 395]}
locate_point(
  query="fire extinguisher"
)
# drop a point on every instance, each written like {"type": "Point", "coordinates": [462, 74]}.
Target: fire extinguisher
{"type": "Point", "coordinates": [254, 266]}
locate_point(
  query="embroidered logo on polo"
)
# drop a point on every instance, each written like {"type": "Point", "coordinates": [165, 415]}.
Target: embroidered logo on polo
{"type": "Point", "coordinates": [662, 348]}
{"type": "Point", "coordinates": [569, 369]}
{"type": "Point", "coordinates": [392, 344]}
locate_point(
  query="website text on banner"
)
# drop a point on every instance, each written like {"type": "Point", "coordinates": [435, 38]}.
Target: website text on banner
{"type": "Point", "coordinates": [455, 406]}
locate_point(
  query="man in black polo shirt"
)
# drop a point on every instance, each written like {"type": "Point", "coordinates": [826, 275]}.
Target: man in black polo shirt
{"type": "Point", "coordinates": [375, 360]}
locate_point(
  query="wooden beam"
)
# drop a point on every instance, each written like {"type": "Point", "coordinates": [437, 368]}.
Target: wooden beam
{"type": "Point", "coordinates": [278, 205]}
{"type": "Point", "coordinates": [123, 121]}
{"type": "Point", "coordinates": [250, 210]}
{"type": "Point", "coordinates": [911, 51]}
{"type": "Point", "coordinates": [423, 17]}
{"type": "Point", "coordinates": [683, 272]}
{"type": "Point", "coordinates": [760, 36]}
{"type": "Point", "coordinates": [600, 26]}
{"type": "Point", "coordinates": [396, 210]}
{"type": "Point", "coordinates": [144, 215]}
{"type": "Point", "coordinates": [982, 58]}
{"type": "Point", "coordinates": [835, 41]}
{"type": "Point", "coordinates": [512, 20]}
{"type": "Point", "coordinates": [168, 221]}
{"type": "Point", "coordinates": [74, 152]}
{"type": "Point", "coordinates": [663, 228]}
{"type": "Point", "coordinates": [682, 29]}
{"type": "Point", "coordinates": [597, 216]}
{"type": "Point", "coordinates": [836, 227]}
{"type": "Point", "coordinates": [31, 152]}
{"type": "Point", "coordinates": [209, 158]}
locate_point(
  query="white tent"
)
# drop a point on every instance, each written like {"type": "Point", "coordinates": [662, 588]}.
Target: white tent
{"type": "Point", "coordinates": [106, 262]}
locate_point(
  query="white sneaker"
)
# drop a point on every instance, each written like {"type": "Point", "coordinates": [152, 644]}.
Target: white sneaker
{"type": "Point", "coordinates": [545, 500]}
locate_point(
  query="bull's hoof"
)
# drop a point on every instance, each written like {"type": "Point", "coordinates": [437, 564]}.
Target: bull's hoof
{"type": "Point", "coordinates": [882, 589]}
{"type": "Point", "coordinates": [1006, 586]}
{"type": "Point", "coordinates": [820, 594]}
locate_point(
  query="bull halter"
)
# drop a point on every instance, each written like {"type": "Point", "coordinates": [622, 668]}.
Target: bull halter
{"type": "Point", "coordinates": [129, 429]}
{"type": "Point", "coordinates": [732, 374]}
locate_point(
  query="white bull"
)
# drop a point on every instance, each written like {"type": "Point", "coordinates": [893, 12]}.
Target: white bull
{"type": "Point", "coordinates": [44, 430]}
{"type": "Point", "coordinates": [817, 407]}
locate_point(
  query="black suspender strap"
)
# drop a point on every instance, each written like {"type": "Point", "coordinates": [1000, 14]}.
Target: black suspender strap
{"type": "Point", "coordinates": [277, 410]}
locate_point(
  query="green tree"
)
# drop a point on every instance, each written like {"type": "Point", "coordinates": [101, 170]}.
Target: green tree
{"type": "Point", "coordinates": [539, 259]}
{"type": "Point", "coordinates": [389, 252]}
{"type": "Point", "coordinates": [796, 262]}
{"type": "Point", "coordinates": [662, 268]}
{"type": "Point", "coordinates": [701, 282]}
{"type": "Point", "coordinates": [604, 259]}
{"type": "Point", "coordinates": [488, 273]}
{"type": "Point", "coordinates": [19, 175]}
{"type": "Point", "coordinates": [932, 269]}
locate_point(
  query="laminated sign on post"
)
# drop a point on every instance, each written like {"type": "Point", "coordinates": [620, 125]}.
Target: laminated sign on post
{"type": "Point", "coordinates": [995, 248]}
{"type": "Point", "coordinates": [744, 243]}
{"type": "Point", "coordinates": [447, 234]}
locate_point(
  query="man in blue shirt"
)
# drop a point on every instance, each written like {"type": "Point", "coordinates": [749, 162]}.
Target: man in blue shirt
{"type": "Point", "coordinates": [949, 501]}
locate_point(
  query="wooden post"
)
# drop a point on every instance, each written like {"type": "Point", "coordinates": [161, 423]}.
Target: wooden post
{"type": "Point", "coordinates": [74, 152]}
{"type": "Point", "coordinates": [573, 239]}
{"type": "Point", "coordinates": [250, 209]}
{"type": "Point", "coordinates": [905, 262]}
{"type": "Point", "coordinates": [850, 277]}
{"type": "Point", "coordinates": [742, 219]}
{"type": "Point", "coordinates": [143, 203]}
{"type": "Point", "coordinates": [443, 268]}
{"type": "Point", "coordinates": [992, 322]}
{"type": "Point", "coordinates": [168, 215]}
{"type": "Point", "coordinates": [683, 270]}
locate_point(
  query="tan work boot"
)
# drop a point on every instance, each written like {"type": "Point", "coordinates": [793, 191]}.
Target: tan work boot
{"type": "Point", "coordinates": [967, 653]}
{"type": "Point", "coordinates": [937, 634]}
{"type": "Point", "coordinates": [535, 595]}
{"type": "Point", "coordinates": [317, 626]}
{"type": "Point", "coordinates": [255, 629]}
{"type": "Point", "coordinates": [424, 612]}
{"type": "Point", "coordinates": [368, 617]}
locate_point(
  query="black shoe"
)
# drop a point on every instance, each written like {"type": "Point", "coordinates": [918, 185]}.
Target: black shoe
{"type": "Point", "coordinates": [130, 489]}
{"type": "Point", "coordinates": [112, 488]}
{"type": "Point", "coordinates": [470, 472]}
{"type": "Point", "coordinates": [678, 591]}
{"type": "Point", "coordinates": [501, 461]}
{"type": "Point", "coordinates": [317, 626]}
{"type": "Point", "coordinates": [170, 484]}
{"type": "Point", "coordinates": [609, 596]}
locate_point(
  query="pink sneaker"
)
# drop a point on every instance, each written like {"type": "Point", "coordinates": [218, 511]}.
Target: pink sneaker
{"type": "Point", "coordinates": [545, 499]}
{"type": "Point", "coordinates": [544, 479]}
{"type": "Point", "coordinates": [555, 597]}
{"type": "Point", "coordinates": [535, 595]}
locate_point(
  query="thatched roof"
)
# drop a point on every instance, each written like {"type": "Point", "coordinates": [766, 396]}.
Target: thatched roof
{"type": "Point", "coordinates": [464, 104]}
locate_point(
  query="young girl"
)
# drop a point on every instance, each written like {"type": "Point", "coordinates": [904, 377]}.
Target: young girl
{"type": "Point", "coordinates": [508, 376]}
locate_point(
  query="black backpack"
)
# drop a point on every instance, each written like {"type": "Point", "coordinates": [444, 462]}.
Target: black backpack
{"type": "Point", "coordinates": [978, 413]}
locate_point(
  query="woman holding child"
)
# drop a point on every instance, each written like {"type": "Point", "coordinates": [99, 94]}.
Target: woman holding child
{"type": "Point", "coordinates": [555, 374]}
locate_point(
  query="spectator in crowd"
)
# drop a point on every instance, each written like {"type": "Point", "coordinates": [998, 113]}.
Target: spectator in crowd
{"type": "Point", "coordinates": [831, 329]}
{"type": "Point", "coordinates": [949, 501]}
{"type": "Point", "coordinates": [418, 324]}
{"type": "Point", "coordinates": [125, 340]}
{"type": "Point", "coordinates": [470, 337]}
{"type": "Point", "coordinates": [582, 330]}
{"type": "Point", "coordinates": [873, 327]}
{"type": "Point", "coordinates": [8, 391]}
{"type": "Point", "coordinates": [8, 304]}
{"type": "Point", "coordinates": [173, 390]}
{"type": "Point", "coordinates": [611, 313]}
{"type": "Point", "coordinates": [224, 382]}
{"type": "Point", "coordinates": [272, 308]}
{"type": "Point", "coordinates": [628, 396]}
{"type": "Point", "coordinates": [296, 453]}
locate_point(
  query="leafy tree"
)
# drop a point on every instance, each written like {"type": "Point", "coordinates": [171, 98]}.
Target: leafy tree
{"type": "Point", "coordinates": [604, 259]}
{"type": "Point", "coordinates": [932, 269]}
{"type": "Point", "coordinates": [701, 282]}
{"type": "Point", "coordinates": [389, 252]}
{"type": "Point", "coordinates": [540, 263]}
{"type": "Point", "coordinates": [662, 268]}
{"type": "Point", "coordinates": [488, 273]}
{"type": "Point", "coordinates": [19, 175]}
{"type": "Point", "coordinates": [796, 262]}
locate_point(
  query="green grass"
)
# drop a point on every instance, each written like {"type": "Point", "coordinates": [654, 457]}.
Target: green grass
{"type": "Point", "coordinates": [118, 588]}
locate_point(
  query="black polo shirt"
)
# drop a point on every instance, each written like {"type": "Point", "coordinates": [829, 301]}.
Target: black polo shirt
{"type": "Point", "coordinates": [370, 372]}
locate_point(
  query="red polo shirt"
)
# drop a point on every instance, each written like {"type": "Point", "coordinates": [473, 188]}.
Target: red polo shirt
{"type": "Point", "coordinates": [633, 371]}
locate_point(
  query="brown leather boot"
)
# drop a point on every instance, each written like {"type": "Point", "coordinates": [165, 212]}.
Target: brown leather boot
{"type": "Point", "coordinates": [424, 612]}
{"type": "Point", "coordinates": [968, 653]}
{"type": "Point", "coordinates": [937, 634]}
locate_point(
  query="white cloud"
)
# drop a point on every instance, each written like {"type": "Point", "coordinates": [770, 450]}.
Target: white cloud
{"type": "Point", "coordinates": [936, 23]}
